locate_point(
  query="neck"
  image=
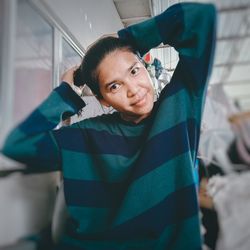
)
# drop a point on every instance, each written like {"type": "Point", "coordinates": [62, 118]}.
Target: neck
{"type": "Point", "coordinates": [133, 118]}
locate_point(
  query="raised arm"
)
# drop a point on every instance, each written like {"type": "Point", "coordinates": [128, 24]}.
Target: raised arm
{"type": "Point", "coordinates": [190, 29]}
{"type": "Point", "coordinates": [31, 142]}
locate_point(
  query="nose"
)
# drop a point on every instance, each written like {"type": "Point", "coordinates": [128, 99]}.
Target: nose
{"type": "Point", "coordinates": [132, 88]}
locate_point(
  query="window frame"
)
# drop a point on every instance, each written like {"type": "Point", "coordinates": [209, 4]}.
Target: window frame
{"type": "Point", "coordinates": [59, 32]}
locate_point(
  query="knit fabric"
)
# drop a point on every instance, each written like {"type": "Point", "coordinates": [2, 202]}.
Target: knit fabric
{"type": "Point", "coordinates": [130, 186]}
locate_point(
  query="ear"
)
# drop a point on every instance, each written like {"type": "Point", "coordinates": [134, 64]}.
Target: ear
{"type": "Point", "coordinates": [103, 102]}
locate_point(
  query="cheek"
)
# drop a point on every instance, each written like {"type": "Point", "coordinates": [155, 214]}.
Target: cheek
{"type": "Point", "coordinates": [115, 99]}
{"type": "Point", "coordinates": [146, 78]}
{"type": "Point", "coordinates": [149, 84]}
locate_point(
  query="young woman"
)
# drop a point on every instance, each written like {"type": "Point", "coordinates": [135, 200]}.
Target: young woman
{"type": "Point", "coordinates": [128, 176]}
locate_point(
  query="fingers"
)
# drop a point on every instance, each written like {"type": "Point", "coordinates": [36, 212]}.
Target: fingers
{"type": "Point", "coordinates": [68, 75]}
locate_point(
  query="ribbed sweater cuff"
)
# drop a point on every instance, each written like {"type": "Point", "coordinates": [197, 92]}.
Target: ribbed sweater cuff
{"type": "Point", "coordinates": [70, 97]}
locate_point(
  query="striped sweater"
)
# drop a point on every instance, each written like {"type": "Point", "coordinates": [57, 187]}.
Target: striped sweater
{"type": "Point", "coordinates": [130, 186]}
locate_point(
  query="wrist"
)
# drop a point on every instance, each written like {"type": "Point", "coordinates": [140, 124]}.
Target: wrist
{"type": "Point", "coordinates": [77, 90]}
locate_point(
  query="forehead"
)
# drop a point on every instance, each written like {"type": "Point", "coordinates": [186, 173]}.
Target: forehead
{"type": "Point", "coordinates": [115, 64]}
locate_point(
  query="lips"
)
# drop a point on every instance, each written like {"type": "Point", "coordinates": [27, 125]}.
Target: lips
{"type": "Point", "coordinates": [140, 101]}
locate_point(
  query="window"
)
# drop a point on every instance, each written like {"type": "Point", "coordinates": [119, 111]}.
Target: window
{"type": "Point", "coordinates": [1, 50]}
{"type": "Point", "coordinates": [33, 61]}
{"type": "Point", "coordinates": [70, 57]}
{"type": "Point", "coordinates": [36, 50]}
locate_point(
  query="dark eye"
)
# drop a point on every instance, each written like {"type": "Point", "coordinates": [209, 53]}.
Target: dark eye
{"type": "Point", "coordinates": [114, 87]}
{"type": "Point", "coordinates": [135, 70]}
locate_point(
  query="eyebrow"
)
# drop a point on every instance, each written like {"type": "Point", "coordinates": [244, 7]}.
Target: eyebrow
{"type": "Point", "coordinates": [110, 83]}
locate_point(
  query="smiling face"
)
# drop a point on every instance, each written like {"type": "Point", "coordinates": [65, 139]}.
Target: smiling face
{"type": "Point", "coordinates": [125, 85]}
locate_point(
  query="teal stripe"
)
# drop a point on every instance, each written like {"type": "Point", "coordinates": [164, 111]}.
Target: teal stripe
{"type": "Point", "coordinates": [56, 105]}
{"type": "Point", "coordinates": [79, 166]}
{"type": "Point", "coordinates": [187, 232]}
{"type": "Point", "coordinates": [24, 147]}
{"type": "Point", "coordinates": [198, 26]}
{"type": "Point", "coordinates": [110, 168]}
{"type": "Point", "coordinates": [113, 126]}
{"type": "Point", "coordinates": [91, 220]}
{"type": "Point", "coordinates": [188, 107]}
{"type": "Point", "coordinates": [144, 244]}
{"type": "Point", "coordinates": [153, 187]}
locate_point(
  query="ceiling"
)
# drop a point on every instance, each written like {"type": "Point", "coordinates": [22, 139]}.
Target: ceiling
{"type": "Point", "coordinates": [133, 11]}
{"type": "Point", "coordinates": [232, 59]}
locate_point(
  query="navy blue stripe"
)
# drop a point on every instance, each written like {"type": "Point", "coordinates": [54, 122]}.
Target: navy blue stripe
{"type": "Point", "coordinates": [101, 142]}
{"type": "Point", "coordinates": [190, 74]}
{"type": "Point", "coordinates": [70, 97]}
{"type": "Point", "coordinates": [193, 71]}
{"type": "Point", "coordinates": [176, 141]}
{"type": "Point", "coordinates": [169, 33]}
{"type": "Point", "coordinates": [43, 154]}
{"type": "Point", "coordinates": [175, 208]}
{"type": "Point", "coordinates": [170, 89]}
{"type": "Point", "coordinates": [97, 142]}
{"type": "Point", "coordinates": [181, 138]}
{"type": "Point", "coordinates": [73, 139]}
{"type": "Point", "coordinates": [47, 155]}
{"type": "Point", "coordinates": [68, 246]}
{"type": "Point", "coordinates": [126, 35]}
{"type": "Point", "coordinates": [35, 123]}
{"type": "Point", "coordinates": [101, 194]}
{"type": "Point", "coordinates": [92, 193]}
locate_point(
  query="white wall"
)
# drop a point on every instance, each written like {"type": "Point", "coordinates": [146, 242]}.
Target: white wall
{"type": "Point", "coordinates": [87, 20]}
{"type": "Point", "coordinates": [26, 205]}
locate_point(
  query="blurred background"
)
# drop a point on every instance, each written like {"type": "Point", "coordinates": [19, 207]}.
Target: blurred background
{"type": "Point", "coordinates": [40, 39]}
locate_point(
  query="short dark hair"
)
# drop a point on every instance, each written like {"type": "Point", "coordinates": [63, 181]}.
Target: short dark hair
{"type": "Point", "coordinates": [87, 72]}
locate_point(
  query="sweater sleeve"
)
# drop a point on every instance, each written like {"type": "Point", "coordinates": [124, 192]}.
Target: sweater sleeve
{"type": "Point", "coordinates": [31, 142]}
{"type": "Point", "coordinates": [188, 27]}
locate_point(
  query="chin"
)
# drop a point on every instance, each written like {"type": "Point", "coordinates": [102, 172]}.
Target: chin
{"type": "Point", "coordinates": [147, 111]}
